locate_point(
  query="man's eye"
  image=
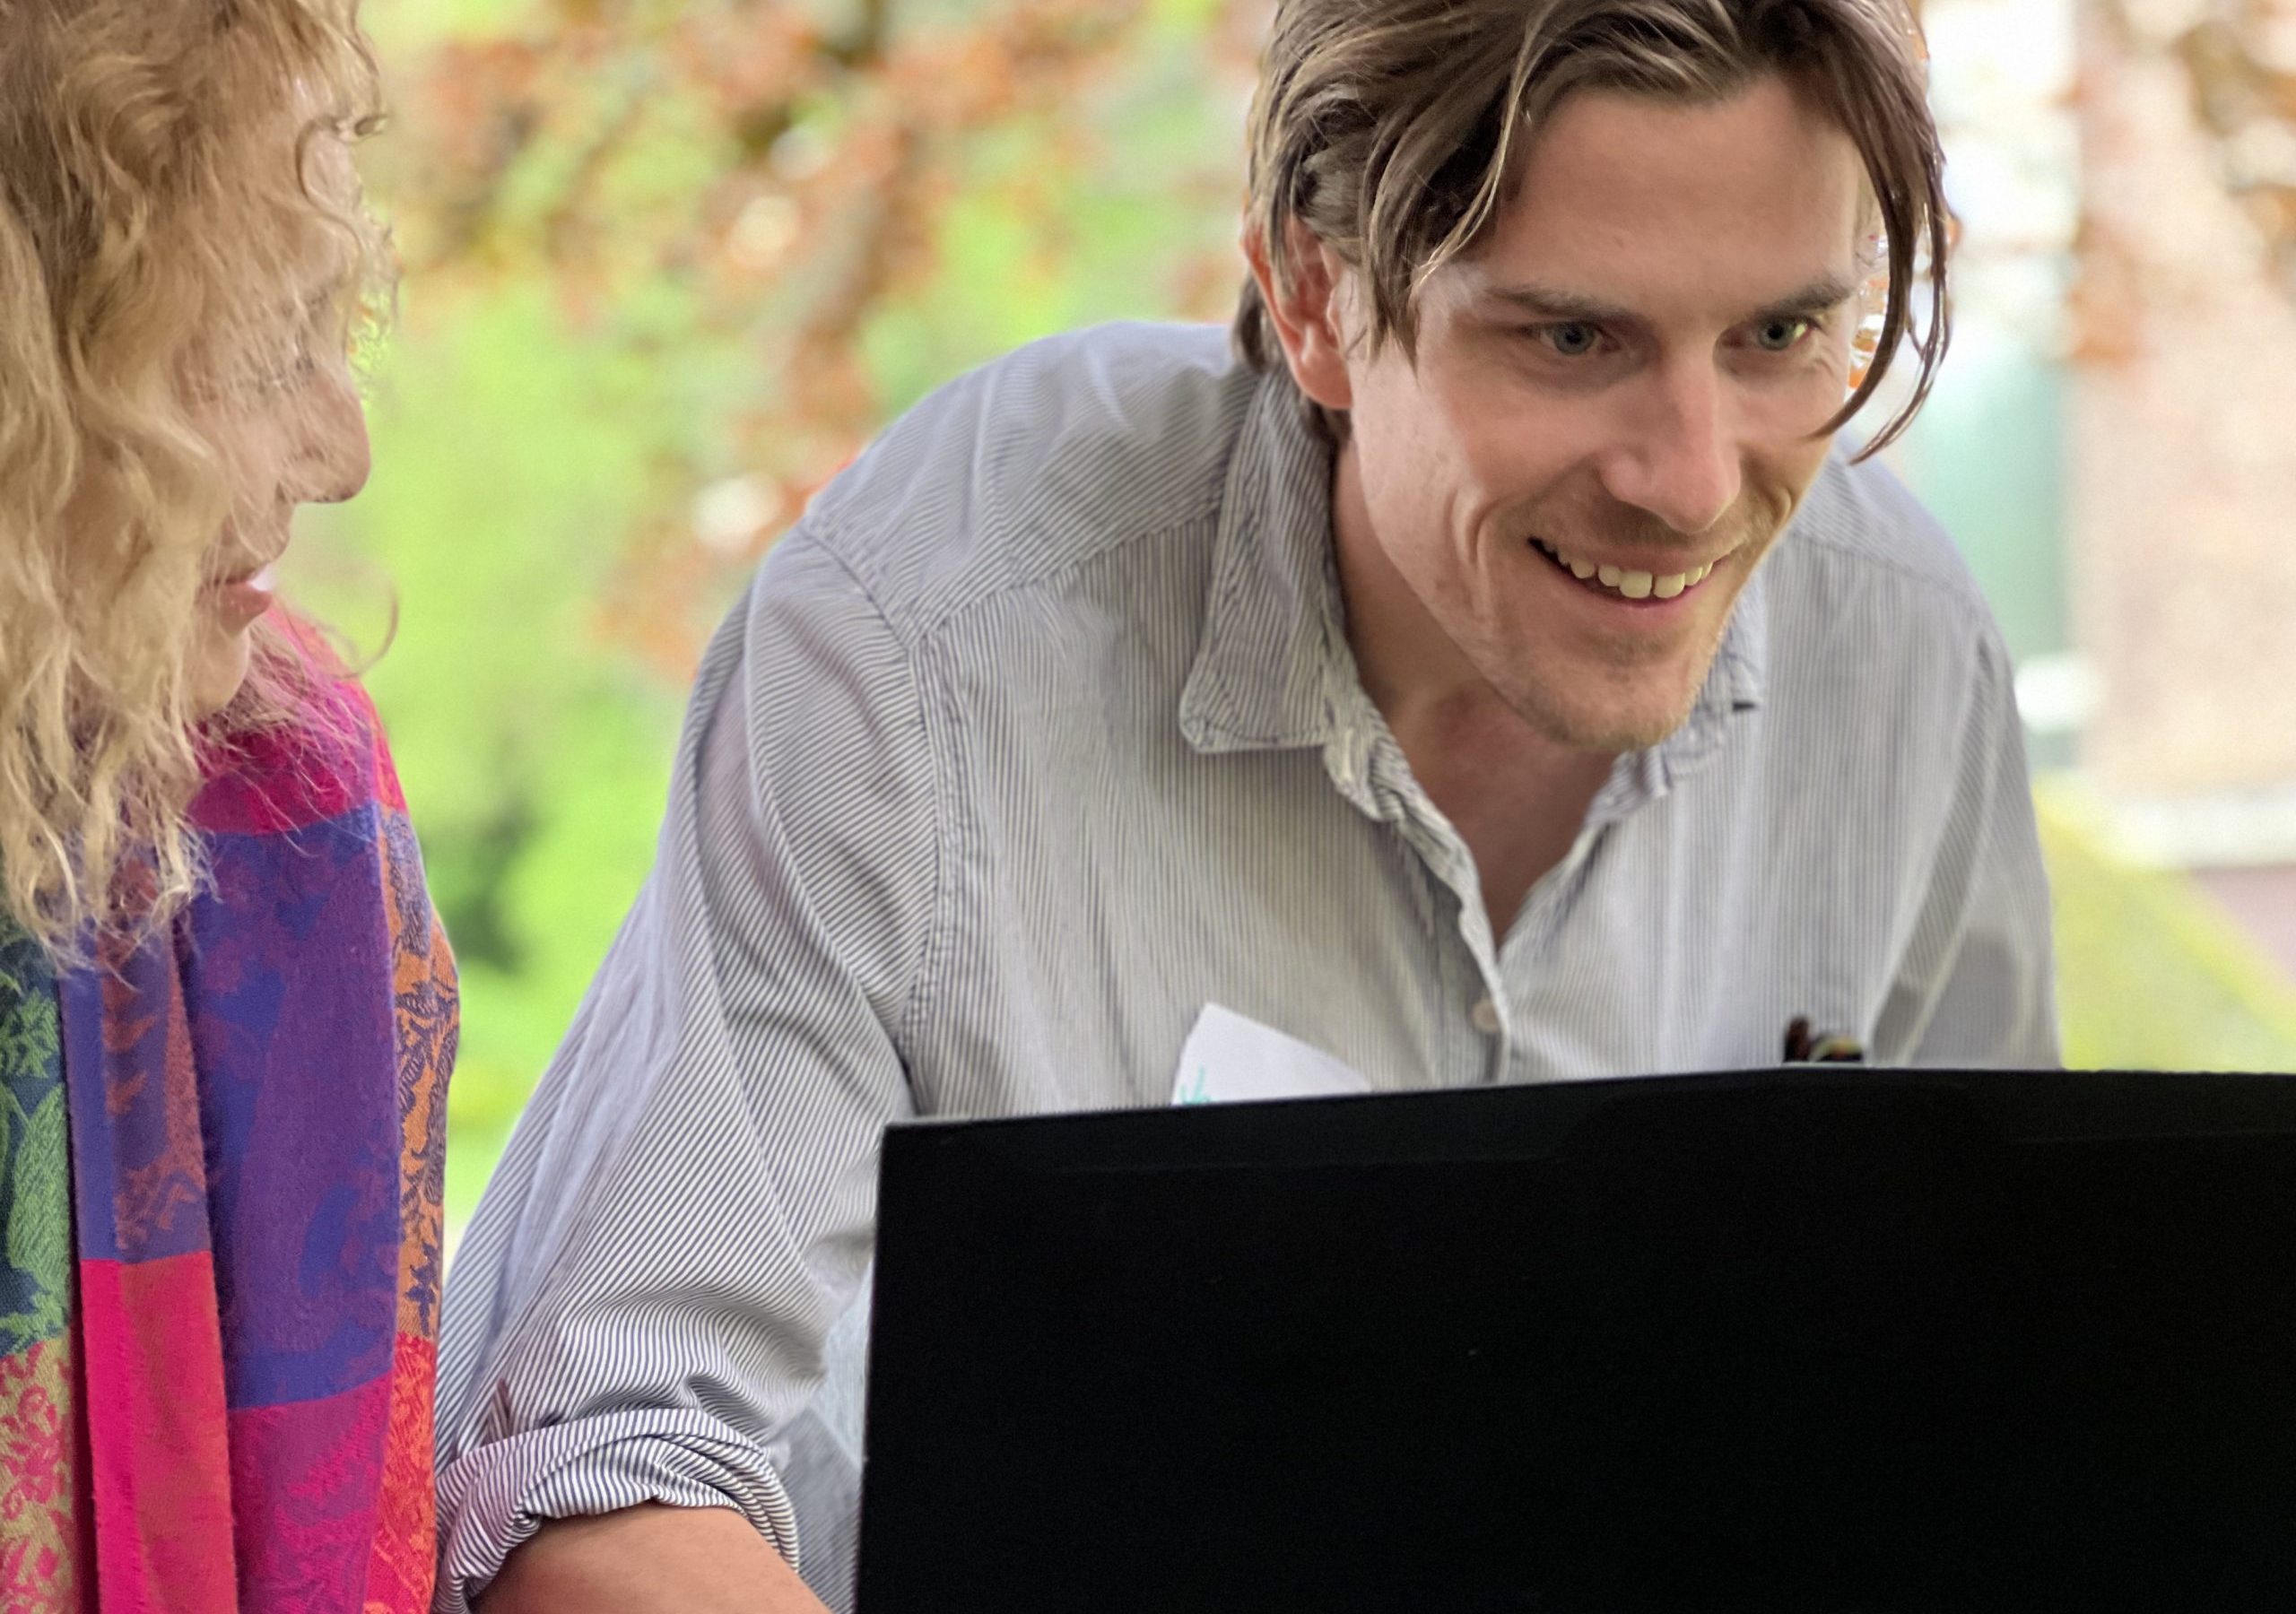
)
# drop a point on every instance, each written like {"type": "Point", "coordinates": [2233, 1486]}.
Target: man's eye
{"type": "Point", "coordinates": [1780, 335]}
{"type": "Point", "coordinates": [1573, 339]}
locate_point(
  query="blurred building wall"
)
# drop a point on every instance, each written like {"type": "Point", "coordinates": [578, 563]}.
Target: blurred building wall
{"type": "Point", "coordinates": [2181, 476]}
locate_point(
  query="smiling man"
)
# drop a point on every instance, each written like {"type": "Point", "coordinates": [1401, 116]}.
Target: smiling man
{"type": "Point", "coordinates": [1487, 670]}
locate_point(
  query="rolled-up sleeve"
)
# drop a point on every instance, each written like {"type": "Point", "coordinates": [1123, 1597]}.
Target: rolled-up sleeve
{"type": "Point", "coordinates": [686, 1207]}
{"type": "Point", "coordinates": [1977, 987]}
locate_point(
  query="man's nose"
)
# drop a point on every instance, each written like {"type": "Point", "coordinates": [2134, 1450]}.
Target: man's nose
{"type": "Point", "coordinates": [1678, 454]}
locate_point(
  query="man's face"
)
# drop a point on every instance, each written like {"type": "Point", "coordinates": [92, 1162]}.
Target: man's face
{"type": "Point", "coordinates": [1611, 412]}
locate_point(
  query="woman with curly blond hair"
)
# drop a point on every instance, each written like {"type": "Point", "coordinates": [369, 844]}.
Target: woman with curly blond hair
{"type": "Point", "coordinates": [227, 1012]}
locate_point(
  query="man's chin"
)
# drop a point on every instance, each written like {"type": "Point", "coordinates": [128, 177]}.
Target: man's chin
{"type": "Point", "coordinates": [1628, 722]}
{"type": "Point", "coordinates": [1623, 737]}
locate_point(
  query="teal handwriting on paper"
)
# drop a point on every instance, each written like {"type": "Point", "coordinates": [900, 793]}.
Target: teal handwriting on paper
{"type": "Point", "coordinates": [1228, 1057]}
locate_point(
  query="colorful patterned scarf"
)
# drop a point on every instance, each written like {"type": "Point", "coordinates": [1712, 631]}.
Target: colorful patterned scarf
{"type": "Point", "coordinates": [219, 1296]}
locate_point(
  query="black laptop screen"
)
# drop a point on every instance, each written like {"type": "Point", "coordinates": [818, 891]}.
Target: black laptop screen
{"type": "Point", "coordinates": [1826, 1340]}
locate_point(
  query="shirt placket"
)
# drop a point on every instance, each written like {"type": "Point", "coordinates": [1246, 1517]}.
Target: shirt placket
{"type": "Point", "coordinates": [1369, 769]}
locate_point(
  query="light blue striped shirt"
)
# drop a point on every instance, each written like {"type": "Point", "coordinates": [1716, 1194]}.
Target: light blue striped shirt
{"type": "Point", "coordinates": [1039, 733]}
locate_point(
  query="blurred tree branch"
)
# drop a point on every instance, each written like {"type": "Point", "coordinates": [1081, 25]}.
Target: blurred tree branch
{"type": "Point", "coordinates": [2243, 98]}
{"type": "Point", "coordinates": [2237, 61]}
{"type": "Point", "coordinates": [782, 174]}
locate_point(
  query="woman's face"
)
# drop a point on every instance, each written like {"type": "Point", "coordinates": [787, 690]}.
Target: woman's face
{"type": "Point", "coordinates": [294, 433]}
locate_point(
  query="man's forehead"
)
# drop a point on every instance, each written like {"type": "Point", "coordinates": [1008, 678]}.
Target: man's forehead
{"type": "Point", "coordinates": [1620, 199]}
{"type": "Point", "coordinates": [1767, 111]}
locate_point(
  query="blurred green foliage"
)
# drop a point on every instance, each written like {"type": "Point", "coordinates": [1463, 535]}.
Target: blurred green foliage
{"type": "Point", "coordinates": [554, 398]}
{"type": "Point", "coordinates": [2151, 974]}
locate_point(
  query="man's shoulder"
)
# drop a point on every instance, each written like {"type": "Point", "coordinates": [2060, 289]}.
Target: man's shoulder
{"type": "Point", "coordinates": [1868, 600]}
{"type": "Point", "coordinates": [1035, 463]}
{"type": "Point", "coordinates": [1859, 526]}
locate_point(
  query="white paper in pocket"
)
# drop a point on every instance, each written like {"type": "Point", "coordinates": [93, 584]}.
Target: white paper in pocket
{"type": "Point", "coordinates": [1228, 1058]}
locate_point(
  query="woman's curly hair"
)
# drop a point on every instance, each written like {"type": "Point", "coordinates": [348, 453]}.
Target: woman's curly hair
{"type": "Point", "coordinates": [169, 171]}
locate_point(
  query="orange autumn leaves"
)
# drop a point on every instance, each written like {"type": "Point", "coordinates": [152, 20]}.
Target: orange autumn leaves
{"type": "Point", "coordinates": [734, 178]}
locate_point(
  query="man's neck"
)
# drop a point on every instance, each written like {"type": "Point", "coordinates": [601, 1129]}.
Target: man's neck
{"type": "Point", "coordinates": [1516, 798]}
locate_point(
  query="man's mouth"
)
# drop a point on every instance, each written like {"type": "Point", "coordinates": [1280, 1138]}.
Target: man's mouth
{"type": "Point", "coordinates": [1625, 584]}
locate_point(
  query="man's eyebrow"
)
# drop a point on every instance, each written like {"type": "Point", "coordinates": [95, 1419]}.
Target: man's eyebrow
{"type": "Point", "coordinates": [1551, 303]}
{"type": "Point", "coordinates": [1546, 303]}
{"type": "Point", "coordinates": [1826, 291]}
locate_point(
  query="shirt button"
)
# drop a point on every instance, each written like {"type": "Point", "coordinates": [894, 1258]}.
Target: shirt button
{"type": "Point", "coordinates": [1485, 1016]}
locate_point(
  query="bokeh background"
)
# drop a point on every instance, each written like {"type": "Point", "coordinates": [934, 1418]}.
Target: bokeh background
{"type": "Point", "coordinates": [669, 263]}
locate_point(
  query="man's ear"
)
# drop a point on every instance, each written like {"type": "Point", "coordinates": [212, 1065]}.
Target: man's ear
{"type": "Point", "coordinates": [1307, 315]}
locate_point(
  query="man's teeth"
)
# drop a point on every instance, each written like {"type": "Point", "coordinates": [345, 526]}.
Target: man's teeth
{"type": "Point", "coordinates": [1633, 584]}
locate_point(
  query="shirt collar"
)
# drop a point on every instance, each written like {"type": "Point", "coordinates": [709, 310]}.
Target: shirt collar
{"type": "Point", "coordinates": [1273, 644]}
{"type": "Point", "coordinates": [1273, 671]}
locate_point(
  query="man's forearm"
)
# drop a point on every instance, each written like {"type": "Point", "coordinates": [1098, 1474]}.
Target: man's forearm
{"type": "Point", "coordinates": [650, 1560]}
